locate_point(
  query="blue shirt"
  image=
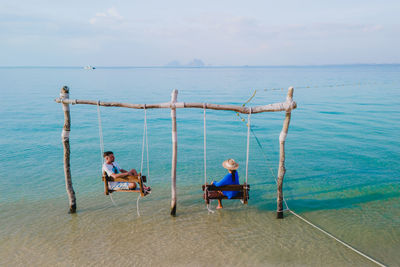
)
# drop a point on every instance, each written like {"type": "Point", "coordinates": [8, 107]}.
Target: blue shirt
{"type": "Point", "coordinates": [227, 180]}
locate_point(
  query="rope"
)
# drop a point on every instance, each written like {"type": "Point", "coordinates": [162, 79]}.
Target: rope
{"type": "Point", "coordinates": [337, 239]}
{"type": "Point", "coordinates": [248, 144]}
{"type": "Point", "coordinates": [310, 223]}
{"type": "Point", "coordinates": [248, 100]}
{"type": "Point", "coordinates": [137, 205]}
{"type": "Point", "coordinates": [100, 134]}
{"type": "Point", "coordinates": [112, 200]}
{"type": "Point", "coordinates": [147, 145]}
{"type": "Point", "coordinates": [205, 157]}
{"type": "Point", "coordinates": [209, 207]}
{"type": "Point", "coordinates": [283, 197]}
{"type": "Point", "coordinates": [205, 146]}
{"type": "Point", "coordinates": [102, 145]}
{"type": "Point", "coordinates": [324, 85]}
{"type": "Point", "coordinates": [144, 139]}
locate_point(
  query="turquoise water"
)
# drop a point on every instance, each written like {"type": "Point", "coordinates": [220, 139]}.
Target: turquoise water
{"type": "Point", "coordinates": [342, 156]}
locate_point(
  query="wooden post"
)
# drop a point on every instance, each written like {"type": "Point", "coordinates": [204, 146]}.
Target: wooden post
{"type": "Point", "coordinates": [282, 139]}
{"type": "Point", "coordinates": [287, 106]}
{"type": "Point", "coordinates": [174, 96]}
{"type": "Point", "coordinates": [65, 140]}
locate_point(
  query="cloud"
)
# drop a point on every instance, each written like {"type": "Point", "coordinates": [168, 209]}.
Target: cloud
{"type": "Point", "coordinates": [372, 28]}
{"type": "Point", "coordinates": [111, 15]}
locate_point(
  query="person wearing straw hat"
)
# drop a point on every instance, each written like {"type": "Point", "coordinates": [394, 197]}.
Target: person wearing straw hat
{"type": "Point", "coordinates": [231, 178]}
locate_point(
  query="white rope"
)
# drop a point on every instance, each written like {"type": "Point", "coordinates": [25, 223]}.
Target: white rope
{"type": "Point", "coordinates": [112, 200]}
{"type": "Point", "coordinates": [100, 135]}
{"type": "Point", "coordinates": [313, 225]}
{"type": "Point", "coordinates": [209, 207]}
{"type": "Point", "coordinates": [137, 205]}
{"type": "Point", "coordinates": [337, 239]}
{"type": "Point", "coordinates": [205, 158]}
{"type": "Point", "coordinates": [147, 144]}
{"type": "Point", "coordinates": [102, 146]}
{"type": "Point", "coordinates": [144, 140]}
{"type": "Point", "coordinates": [248, 144]}
{"type": "Point", "coordinates": [205, 145]}
{"type": "Point", "coordinates": [328, 234]}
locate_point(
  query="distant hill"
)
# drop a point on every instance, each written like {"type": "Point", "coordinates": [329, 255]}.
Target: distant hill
{"type": "Point", "coordinates": [196, 63]}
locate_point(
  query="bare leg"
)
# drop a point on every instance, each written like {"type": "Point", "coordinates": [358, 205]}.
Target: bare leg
{"type": "Point", "coordinates": [219, 204]}
{"type": "Point", "coordinates": [132, 186]}
{"type": "Point", "coordinates": [133, 172]}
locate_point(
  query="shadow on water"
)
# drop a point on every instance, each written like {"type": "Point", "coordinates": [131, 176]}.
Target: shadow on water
{"type": "Point", "coordinates": [357, 187]}
{"type": "Point", "coordinates": [304, 205]}
{"type": "Point", "coordinates": [310, 177]}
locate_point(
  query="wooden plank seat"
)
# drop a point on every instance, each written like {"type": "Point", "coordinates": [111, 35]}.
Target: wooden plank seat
{"type": "Point", "coordinates": [139, 180]}
{"type": "Point", "coordinates": [242, 195]}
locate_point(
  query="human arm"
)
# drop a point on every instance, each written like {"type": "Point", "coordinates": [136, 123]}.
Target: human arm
{"type": "Point", "coordinates": [227, 180]}
{"type": "Point", "coordinates": [111, 170]}
{"type": "Point", "coordinates": [119, 175]}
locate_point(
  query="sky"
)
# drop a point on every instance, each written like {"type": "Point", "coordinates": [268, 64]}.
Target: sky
{"type": "Point", "coordinates": [220, 33]}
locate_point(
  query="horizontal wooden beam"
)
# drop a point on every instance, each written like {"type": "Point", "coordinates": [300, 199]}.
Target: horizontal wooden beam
{"type": "Point", "coordinates": [231, 187]}
{"type": "Point", "coordinates": [287, 106]}
{"type": "Point", "coordinates": [128, 179]}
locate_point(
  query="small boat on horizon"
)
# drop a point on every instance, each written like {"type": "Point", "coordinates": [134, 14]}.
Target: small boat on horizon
{"type": "Point", "coordinates": [88, 67]}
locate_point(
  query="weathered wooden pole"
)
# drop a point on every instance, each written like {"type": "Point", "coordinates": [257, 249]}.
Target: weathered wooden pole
{"type": "Point", "coordinates": [65, 140]}
{"type": "Point", "coordinates": [245, 110]}
{"type": "Point", "coordinates": [174, 96]}
{"type": "Point", "coordinates": [282, 139]}
{"type": "Point", "coordinates": [286, 106]}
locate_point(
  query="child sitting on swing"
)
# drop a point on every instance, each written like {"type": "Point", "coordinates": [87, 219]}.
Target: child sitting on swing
{"type": "Point", "coordinates": [113, 170]}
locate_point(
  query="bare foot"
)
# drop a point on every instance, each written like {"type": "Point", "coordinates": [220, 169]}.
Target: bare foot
{"type": "Point", "coordinates": [146, 188]}
{"type": "Point", "coordinates": [219, 207]}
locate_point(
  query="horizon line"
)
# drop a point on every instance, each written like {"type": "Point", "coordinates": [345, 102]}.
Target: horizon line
{"type": "Point", "coordinates": [205, 66]}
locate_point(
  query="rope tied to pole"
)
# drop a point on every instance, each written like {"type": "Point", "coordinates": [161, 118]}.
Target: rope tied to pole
{"type": "Point", "coordinates": [137, 205]}
{"type": "Point", "coordinates": [100, 135]}
{"type": "Point", "coordinates": [145, 142]}
{"type": "Point", "coordinates": [205, 143]}
{"type": "Point", "coordinates": [144, 137]}
{"type": "Point", "coordinates": [205, 155]}
{"type": "Point", "coordinates": [248, 144]}
{"type": "Point", "coordinates": [310, 223]}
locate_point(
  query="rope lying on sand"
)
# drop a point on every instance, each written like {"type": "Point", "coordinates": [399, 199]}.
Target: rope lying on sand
{"type": "Point", "coordinates": [302, 218]}
{"type": "Point", "coordinates": [310, 223]}
{"type": "Point", "coordinates": [337, 239]}
{"type": "Point", "coordinates": [328, 234]}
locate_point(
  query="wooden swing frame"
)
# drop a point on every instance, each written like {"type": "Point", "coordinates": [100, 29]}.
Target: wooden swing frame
{"type": "Point", "coordinates": [286, 106]}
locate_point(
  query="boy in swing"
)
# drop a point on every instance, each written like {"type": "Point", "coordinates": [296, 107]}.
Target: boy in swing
{"type": "Point", "coordinates": [113, 170]}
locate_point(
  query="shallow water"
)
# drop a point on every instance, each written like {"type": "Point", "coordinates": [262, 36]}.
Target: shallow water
{"type": "Point", "coordinates": [342, 167]}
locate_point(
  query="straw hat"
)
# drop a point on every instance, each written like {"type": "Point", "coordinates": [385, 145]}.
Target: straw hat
{"type": "Point", "coordinates": [230, 164]}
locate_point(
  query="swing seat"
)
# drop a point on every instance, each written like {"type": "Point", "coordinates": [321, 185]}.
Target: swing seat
{"type": "Point", "coordinates": [242, 195]}
{"type": "Point", "coordinates": [139, 179]}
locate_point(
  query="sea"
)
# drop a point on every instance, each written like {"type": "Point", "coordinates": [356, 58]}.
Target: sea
{"type": "Point", "coordinates": [342, 167]}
